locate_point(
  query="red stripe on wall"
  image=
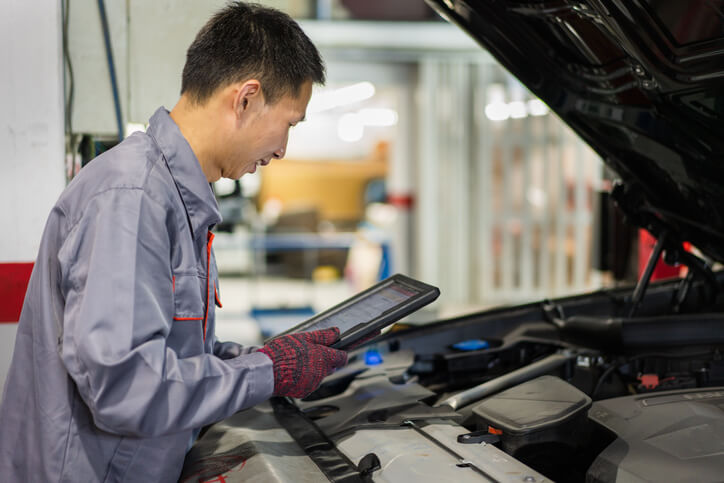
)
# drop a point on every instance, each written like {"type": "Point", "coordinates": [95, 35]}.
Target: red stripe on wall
{"type": "Point", "coordinates": [14, 278]}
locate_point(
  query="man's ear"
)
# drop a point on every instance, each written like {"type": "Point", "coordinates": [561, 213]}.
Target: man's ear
{"type": "Point", "coordinates": [247, 97]}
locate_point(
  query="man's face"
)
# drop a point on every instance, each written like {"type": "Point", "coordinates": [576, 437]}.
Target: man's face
{"type": "Point", "coordinates": [263, 134]}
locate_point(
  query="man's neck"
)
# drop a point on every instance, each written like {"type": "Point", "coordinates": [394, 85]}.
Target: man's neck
{"type": "Point", "coordinates": [196, 125]}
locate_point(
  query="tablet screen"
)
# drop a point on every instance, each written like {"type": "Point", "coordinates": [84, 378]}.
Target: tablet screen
{"type": "Point", "coordinates": [365, 309]}
{"type": "Point", "coordinates": [371, 310]}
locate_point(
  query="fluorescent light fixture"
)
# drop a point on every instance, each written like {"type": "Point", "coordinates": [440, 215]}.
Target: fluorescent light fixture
{"type": "Point", "coordinates": [132, 127]}
{"type": "Point", "coordinates": [536, 197]}
{"type": "Point", "coordinates": [497, 111]}
{"type": "Point", "coordinates": [344, 96]}
{"type": "Point", "coordinates": [224, 186]}
{"type": "Point", "coordinates": [378, 117]}
{"type": "Point", "coordinates": [350, 127]}
{"type": "Point", "coordinates": [517, 110]}
{"type": "Point", "coordinates": [536, 107]}
{"type": "Point", "coordinates": [251, 184]}
{"type": "Point", "coordinates": [500, 111]}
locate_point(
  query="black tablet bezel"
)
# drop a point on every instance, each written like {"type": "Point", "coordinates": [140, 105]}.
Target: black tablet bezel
{"type": "Point", "coordinates": [427, 293]}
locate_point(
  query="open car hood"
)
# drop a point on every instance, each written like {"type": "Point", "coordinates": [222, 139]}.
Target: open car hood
{"type": "Point", "coordinates": [642, 81]}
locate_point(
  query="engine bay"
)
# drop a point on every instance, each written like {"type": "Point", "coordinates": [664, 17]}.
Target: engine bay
{"type": "Point", "coordinates": [545, 394]}
{"type": "Point", "coordinates": [575, 389]}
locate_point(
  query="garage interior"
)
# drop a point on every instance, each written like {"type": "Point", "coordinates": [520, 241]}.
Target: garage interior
{"type": "Point", "coordinates": [547, 352]}
{"type": "Point", "coordinates": [421, 155]}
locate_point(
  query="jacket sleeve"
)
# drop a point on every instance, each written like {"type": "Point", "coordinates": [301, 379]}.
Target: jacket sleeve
{"type": "Point", "coordinates": [117, 282]}
{"type": "Point", "coordinates": [228, 350]}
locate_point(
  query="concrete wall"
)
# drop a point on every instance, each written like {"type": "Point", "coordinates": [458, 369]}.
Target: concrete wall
{"type": "Point", "coordinates": [31, 134]}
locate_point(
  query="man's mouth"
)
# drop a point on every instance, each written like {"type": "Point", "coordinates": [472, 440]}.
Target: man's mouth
{"type": "Point", "coordinates": [259, 163]}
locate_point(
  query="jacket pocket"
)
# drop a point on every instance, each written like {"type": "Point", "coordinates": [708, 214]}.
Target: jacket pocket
{"type": "Point", "coordinates": [188, 305]}
{"type": "Point", "coordinates": [187, 331]}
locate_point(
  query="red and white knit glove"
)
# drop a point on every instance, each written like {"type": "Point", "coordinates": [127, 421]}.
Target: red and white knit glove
{"type": "Point", "coordinates": [302, 360]}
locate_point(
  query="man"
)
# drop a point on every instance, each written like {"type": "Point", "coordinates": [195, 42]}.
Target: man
{"type": "Point", "coordinates": [116, 365]}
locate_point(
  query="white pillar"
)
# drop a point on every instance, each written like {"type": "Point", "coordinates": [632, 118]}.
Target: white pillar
{"type": "Point", "coordinates": [31, 134]}
{"type": "Point", "coordinates": [401, 180]}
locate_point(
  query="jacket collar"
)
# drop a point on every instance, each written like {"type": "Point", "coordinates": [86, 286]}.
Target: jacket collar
{"type": "Point", "coordinates": [195, 191]}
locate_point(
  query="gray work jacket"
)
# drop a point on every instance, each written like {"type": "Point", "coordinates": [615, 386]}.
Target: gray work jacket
{"type": "Point", "coordinates": [115, 361]}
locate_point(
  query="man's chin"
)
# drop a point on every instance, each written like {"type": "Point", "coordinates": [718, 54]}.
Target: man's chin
{"type": "Point", "coordinates": [236, 174]}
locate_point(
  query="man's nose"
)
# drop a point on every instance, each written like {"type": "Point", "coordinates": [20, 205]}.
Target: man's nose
{"type": "Point", "coordinates": [279, 153]}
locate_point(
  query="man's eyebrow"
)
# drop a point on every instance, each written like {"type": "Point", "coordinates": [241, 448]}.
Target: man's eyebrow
{"type": "Point", "coordinates": [303, 118]}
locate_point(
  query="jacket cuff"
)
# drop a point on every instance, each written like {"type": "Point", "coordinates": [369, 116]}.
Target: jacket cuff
{"type": "Point", "coordinates": [261, 376]}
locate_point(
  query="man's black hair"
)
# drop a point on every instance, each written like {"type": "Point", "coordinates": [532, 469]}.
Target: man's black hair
{"type": "Point", "coordinates": [249, 41]}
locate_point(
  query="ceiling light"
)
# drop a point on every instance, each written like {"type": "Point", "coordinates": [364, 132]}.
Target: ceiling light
{"type": "Point", "coordinates": [350, 128]}
{"type": "Point", "coordinates": [536, 107]}
{"type": "Point", "coordinates": [378, 117]}
{"type": "Point", "coordinates": [498, 111]}
{"type": "Point", "coordinates": [329, 99]}
{"type": "Point", "coordinates": [132, 127]}
{"type": "Point", "coordinates": [517, 110]}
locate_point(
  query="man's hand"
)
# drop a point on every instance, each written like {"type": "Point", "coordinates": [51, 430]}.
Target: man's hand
{"type": "Point", "coordinates": [302, 360]}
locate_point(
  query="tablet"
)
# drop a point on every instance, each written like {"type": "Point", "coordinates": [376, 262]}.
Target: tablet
{"type": "Point", "coordinates": [372, 309]}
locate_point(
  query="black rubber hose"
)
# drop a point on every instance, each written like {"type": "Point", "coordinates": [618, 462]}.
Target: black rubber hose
{"type": "Point", "coordinates": [660, 355]}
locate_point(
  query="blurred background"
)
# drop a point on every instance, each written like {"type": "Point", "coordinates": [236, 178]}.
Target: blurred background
{"type": "Point", "coordinates": [420, 155]}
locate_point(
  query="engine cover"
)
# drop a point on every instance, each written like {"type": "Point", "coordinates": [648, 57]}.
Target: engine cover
{"type": "Point", "coordinates": [669, 436]}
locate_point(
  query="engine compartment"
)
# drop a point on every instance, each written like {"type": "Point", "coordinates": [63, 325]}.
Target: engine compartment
{"type": "Point", "coordinates": [506, 395]}
{"type": "Point", "coordinates": [451, 370]}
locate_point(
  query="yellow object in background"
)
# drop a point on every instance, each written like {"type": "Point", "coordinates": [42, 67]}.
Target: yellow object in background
{"type": "Point", "coordinates": [325, 273]}
{"type": "Point", "coordinates": [335, 188]}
